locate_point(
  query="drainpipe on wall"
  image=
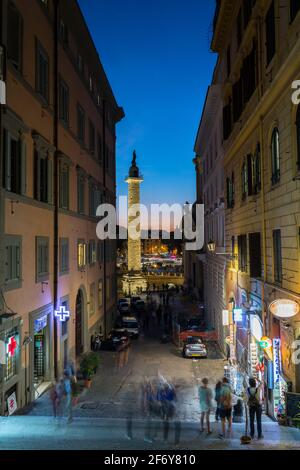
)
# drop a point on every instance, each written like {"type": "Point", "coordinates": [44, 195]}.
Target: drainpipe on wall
{"type": "Point", "coordinates": [263, 222]}
{"type": "Point", "coordinates": [104, 195]}
{"type": "Point", "coordinates": [262, 152]}
{"type": "Point", "coordinates": [55, 178]}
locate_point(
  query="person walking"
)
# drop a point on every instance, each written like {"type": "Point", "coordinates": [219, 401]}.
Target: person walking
{"type": "Point", "coordinates": [218, 399]}
{"type": "Point", "coordinates": [226, 407]}
{"type": "Point", "coordinates": [68, 395]}
{"type": "Point", "coordinates": [54, 399]}
{"type": "Point", "coordinates": [255, 407]}
{"type": "Point", "coordinates": [205, 400]}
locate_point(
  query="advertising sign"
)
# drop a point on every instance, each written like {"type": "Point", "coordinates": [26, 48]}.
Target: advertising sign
{"type": "Point", "coordinates": [12, 403]}
{"type": "Point", "coordinates": [276, 373]}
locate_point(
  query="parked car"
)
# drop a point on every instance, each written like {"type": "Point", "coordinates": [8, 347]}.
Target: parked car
{"type": "Point", "coordinates": [124, 308]}
{"type": "Point", "coordinates": [194, 347]}
{"type": "Point", "coordinates": [133, 300]}
{"type": "Point", "coordinates": [130, 325]}
{"type": "Point", "coordinates": [115, 343]}
{"type": "Point", "coordinates": [139, 306]}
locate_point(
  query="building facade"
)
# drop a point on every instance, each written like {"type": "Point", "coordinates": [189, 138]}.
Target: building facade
{"type": "Point", "coordinates": [209, 150]}
{"type": "Point", "coordinates": [57, 165]}
{"type": "Point", "coordinates": [258, 49]}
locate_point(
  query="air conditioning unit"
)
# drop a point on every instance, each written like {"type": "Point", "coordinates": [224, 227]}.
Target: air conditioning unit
{"type": "Point", "coordinates": [2, 92]}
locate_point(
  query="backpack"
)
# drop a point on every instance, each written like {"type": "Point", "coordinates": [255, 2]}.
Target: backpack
{"type": "Point", "coordinates": [253, 401]}
{"type": "Point", "coordinates": [226, 399]}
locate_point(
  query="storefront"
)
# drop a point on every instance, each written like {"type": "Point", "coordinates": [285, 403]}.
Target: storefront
{"type": "Point", "coordinates": [10, 360]}
{"type": "Point", "coordinates": [41, 362]}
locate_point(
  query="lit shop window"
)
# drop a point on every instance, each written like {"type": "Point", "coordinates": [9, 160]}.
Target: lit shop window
{"type": "Point", "coordinates": [81, 254]}
{"type": "Point", "coordinates": [12, 347]}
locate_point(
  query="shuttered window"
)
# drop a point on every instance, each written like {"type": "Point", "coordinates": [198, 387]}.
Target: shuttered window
{"type": "Point", "coordinates": [227, 121]}
{"type": "Point", "coordinates": [80, 123]}
{"type": "Point", "coordinates": [80, 192]}
{"type": "Point", "coordinates": [298, 136]}
{"type": "Point", "coordinates": [270, 33]}
{"type": "Point", "coordinates": [99, 148]}
{"type": "Point", "coordinates": [14, 36]}
{"type": "Point", "coordinates": [275, 156]}
{"type": "Point", "coordinates": [14, 164]}
{"type": "Point", "coordinates": [63, 102]}
{"type": "Point", "coordinates": [294, 7]}
{"type": "Point", "coordinates": [242, 253]}
{"type": "Point", "coordinates": [42, 177]}
{"type": "Point", "coordinates": [277, 256]}
{"type": "Point", "coordinates": [100, 251]}
{"type": "Point", "coordinates": [255, 254]}
{"type": "Point", "coordinates": [92, 252]}
{"type": "Point", "coordinates": [91, 137]}
{"type": "Point", "coordinates": [42, 72]}
{"type": "Point", "coordinates": [13, 246]}
{"type": "Point", "coordinates": [42, 259]}
{"type": "Point", "coordinates": [92, 299]}
{"type": "Point", "coordinates": [257, 171]}
{"type": "Point", "coordinates": [64, 255]}
{"type": "Point", "coordinates": [64, 186]}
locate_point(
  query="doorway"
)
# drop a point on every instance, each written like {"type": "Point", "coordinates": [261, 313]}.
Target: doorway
{"type": "Point", "coordinates": [79, 323]}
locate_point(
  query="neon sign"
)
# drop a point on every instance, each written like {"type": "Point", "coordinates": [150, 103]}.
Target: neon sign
{"type": "Point", "coordinates": [276, 373]}
{"type": "Point", "coordinates": [11, 346]}
{"type": "Point", "coordinates": [238, 315]}
{"type": "Point", "coordinates": [62, 314]}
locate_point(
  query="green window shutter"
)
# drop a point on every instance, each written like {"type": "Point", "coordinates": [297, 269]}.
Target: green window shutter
{"type": "Point", "coordinates": [50, 181]}
{"type": "Point", "coordinates": [23, 167]}
{"type": "Point", "coordinates": [7, 160]}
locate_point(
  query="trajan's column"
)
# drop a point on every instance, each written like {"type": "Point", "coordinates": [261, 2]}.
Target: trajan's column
{"type": "Point", "coordinates": [133, 281]}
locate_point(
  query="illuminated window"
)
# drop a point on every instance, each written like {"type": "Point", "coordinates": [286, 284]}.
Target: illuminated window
{"type": "Point", "coordinates": [81, 254]}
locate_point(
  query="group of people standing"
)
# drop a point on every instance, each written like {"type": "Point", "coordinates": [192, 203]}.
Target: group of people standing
{"type": "Point", "coordinates": [158, 397]}
{"type": "Point", "coordinates": [224, 407]}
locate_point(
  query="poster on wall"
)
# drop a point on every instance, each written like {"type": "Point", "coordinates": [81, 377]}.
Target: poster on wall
{"type": "Point", "coordinates": [276, 374]}
{"type": "Point", "coordinates": [12, 403]}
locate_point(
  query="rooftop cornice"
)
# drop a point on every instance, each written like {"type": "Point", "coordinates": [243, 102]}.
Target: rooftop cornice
{"type": "Point", "coordinates": [222, 23]}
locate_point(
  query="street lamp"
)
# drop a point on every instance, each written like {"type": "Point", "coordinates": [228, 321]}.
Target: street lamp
{"type": "Point", "coordinates": [211, 246]}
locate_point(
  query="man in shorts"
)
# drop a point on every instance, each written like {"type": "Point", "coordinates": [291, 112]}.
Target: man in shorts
{"type": "Point", "coordinates": [226, 407]}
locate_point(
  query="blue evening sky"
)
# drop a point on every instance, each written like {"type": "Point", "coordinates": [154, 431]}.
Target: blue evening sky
{"type": "Point", "coordinates": [156, 56]}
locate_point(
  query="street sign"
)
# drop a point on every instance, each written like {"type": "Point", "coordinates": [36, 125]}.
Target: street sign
{"type": "Point", "coordinates": [12, 403]}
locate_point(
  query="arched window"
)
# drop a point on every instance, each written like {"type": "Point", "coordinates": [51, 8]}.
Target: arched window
{"type": "Point", "coordinates": [256, 170]}
{"type": "Point", "coordinates": [244, 181]}
{"type": "Point", "coordinates": [275, 154]}
{"type": "Point", "coordinates": [298, 137]}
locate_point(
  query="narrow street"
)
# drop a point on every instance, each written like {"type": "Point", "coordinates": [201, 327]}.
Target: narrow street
{"type": "Point", "coordinates": [101, 416]}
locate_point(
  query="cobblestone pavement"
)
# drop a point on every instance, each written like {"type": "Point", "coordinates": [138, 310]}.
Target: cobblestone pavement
{"type": "Point", "coordinates": [39, 432]}
{"type": "Point", "coordinates": [100, 417]}
{"type": "Point", "coordinates": [115, 391]}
